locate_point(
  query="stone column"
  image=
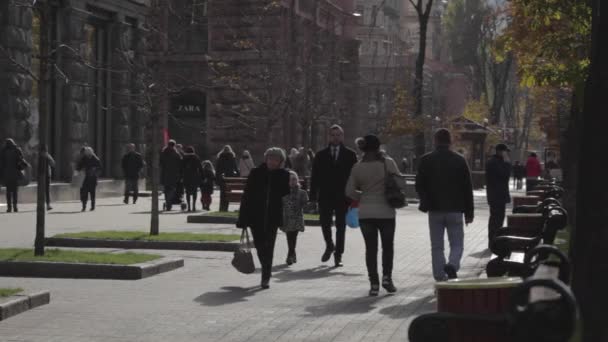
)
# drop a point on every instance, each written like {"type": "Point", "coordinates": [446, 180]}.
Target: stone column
{"type": "Point", "coordinates": [18, 111]}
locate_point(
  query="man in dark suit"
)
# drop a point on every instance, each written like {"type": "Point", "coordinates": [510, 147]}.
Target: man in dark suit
{"type": "Point", "coordinates": [330, 171]}
{"type": "Point", "coordinates": [498, 174]}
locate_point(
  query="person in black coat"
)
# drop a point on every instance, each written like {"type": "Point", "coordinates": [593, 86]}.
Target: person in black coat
{"type": "Point", "coordinates": [192, 171]}
{"type": "Point", "coordinates": [171, 168]}
{"type": "Point", "coordinates": [519, 172]}
{"type": "Point", "coordinates": [12, 165]}
{"type": "Point", "coordinates": [207, 182]}
{"type": "Point", "coordinates": [498, 174]}
{"type": "Point", "coordinates": [132, 164]}
{"type": "Point", "coordinates": [226, 166]}
{"type": "Point", "coordinates": [91, 166]}
{"type": "Point", "coordinates": [262, 206]}
{"type": "Point", "coordinates": [330, 172]}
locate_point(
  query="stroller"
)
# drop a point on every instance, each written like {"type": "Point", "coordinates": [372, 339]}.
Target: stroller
{"type": "Point", "coordinates": [178, 198]}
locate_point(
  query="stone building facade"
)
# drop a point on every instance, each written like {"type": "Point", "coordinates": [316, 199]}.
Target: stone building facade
{"type": "Point", "coordinates": [259, 73]}
{"type": "Point", "coordinates": [94, 45]}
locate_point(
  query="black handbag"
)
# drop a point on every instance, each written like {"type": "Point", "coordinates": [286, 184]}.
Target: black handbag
{"type": "Point", "coordinates": [393, 193]}
{"type": "Point", "coordinates": [243, 259]}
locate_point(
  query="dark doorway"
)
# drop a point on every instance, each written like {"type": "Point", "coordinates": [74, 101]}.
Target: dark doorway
{"type": "Point", "coordinates": [188, 120]}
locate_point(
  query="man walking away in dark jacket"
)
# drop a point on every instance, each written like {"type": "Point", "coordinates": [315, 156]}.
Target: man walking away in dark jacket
{"type": "Point", "coordinates": [443, 183]}
{"type": "Point", "coordinates": [132, 164]}
{"type": "Point", "coordinates": [498, 173]}
{"type": "Point", "coordinates": [330, 172]}
{"type": "Point", "coordinates": [171, 172]}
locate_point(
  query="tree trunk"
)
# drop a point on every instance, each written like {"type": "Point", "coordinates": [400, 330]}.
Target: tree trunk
{"type": "Point", "coordinates": [419, 140]}
{"type": "Point", "coordinates": [155, 174]}
{"type": "Point", "coordinates": [590, 239]}
{"type": "Point", "coordinates": [43, 93]}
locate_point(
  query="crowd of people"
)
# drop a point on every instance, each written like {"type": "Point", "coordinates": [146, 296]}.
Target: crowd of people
{"type": "Point", "coordinates": [340, 178]}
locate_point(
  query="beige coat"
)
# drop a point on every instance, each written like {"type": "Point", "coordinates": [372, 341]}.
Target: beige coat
{"type": "Point", "coordinates": [366, 184]}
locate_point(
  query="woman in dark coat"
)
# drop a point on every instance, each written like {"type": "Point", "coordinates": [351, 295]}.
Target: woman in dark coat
{"type": "Point", "coordinates": [12, 164]}
{"type": "Point", "coordinates": [91, 166]}
{"type": "Point", "coordinates": [170, 167]}
{"type": "Point", "coordinates": [226, 166]}
{"type": "Point", "coordinates": [207, 182]}
{"type": "Point", "coordinates": [262, 206]}
{"type": "Point", "coordinates": [192, 171]}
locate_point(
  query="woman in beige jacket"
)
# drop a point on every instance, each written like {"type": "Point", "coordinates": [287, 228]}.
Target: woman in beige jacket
{"type": "Point", "coordinates": [376, 217]}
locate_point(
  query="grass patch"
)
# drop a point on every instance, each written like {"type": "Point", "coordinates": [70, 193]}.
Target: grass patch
{"type": "Point", "coordinates": [235, 214]}
{"type": "Point", "coordinates": [7, 292]}
{"type": "Point", "coordinates": [145, 236]}
{"type": "Point", "coordinates": [70, 256]}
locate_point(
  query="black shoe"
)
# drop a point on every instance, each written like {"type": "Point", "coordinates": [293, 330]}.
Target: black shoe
{"type": "Point", "coordinates": [84, 209]}
{"type": "Point", "coordinates": [265, 284]}
{"type": "Point", "coordinates": [388, 285]}
{"type": "Point", "coordinates": [327, 254]}
{"type": "Point", "coordinates": [338, 260]}
{"type": "Point", "coordinates": [48, 207]}
{"type": "Point", "coordinates": [289, 261]}
{"type": "Point", "coordinates": [15, 210]}
{"type": "Point", "coordinates": [126, 200]}
{"type": "Point", "coordinates": [450, 271]}
{"type": "Point", "coordinates": [92, 208]}
{"type": "Point", "coordinates": [374, 290]}
{"type": "Point", "coordinates": [9, 210]}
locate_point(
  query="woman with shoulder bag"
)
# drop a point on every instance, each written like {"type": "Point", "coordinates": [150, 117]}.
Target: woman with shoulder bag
{"type": "Point", "coordinates": [262, 206]}
{"type": "Point", "coordinates": [368, 186]}
{"type": "Point", "coordinates": [12, 172]}
{"type": "Point", "coordinates": [91, 166]}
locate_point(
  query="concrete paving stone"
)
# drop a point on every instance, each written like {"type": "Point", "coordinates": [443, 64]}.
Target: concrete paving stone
{"type": "Point", "coordinates": [207, 300]}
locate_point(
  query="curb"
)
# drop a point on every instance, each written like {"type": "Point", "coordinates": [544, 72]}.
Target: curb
{"type": "Point", "coordinates": [143, 244]}
{"type": "Point", "coordinates": [20, 303]}
{"type": "Point", "coordinates": [40, 269]}
{"type": "Point", "coordinates": [232, 220]}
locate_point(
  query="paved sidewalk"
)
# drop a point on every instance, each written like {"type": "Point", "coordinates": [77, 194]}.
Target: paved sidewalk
{"type": "Point", "coordinates": [208, 301]}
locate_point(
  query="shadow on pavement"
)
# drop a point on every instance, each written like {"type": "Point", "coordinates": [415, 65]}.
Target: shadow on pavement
{"type": "Point", "coordinates": [17, 213]}
{"type": "Point", "coordinates": [312, 273]}
{"type": "Point", "coordinates": [350, 306]}
{"type": "Point", "coordinates": [64, 212]}
{"type": "Point", "coordinates": [113, 205]}
{"type": "Point", "coordinates": [486, 253]}
{"type": "Point", "coordinates": [229, 295]}
{"type": "Point", "coordinates": [413, 308]}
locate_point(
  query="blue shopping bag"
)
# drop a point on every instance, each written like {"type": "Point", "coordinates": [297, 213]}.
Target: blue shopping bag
{"type": "Point", "coordinates": [352, 217]}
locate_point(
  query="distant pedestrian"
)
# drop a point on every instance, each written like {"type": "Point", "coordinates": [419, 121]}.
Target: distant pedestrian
{"type": "Point", "coordinates": [226, 166]}
{"type": "Point", "coordinates": [132, 164]}
{"type": "Point", "coordinates": [293, 153]}
{"type": "Point", "coordinates": [301, 163]}
{"type": "Point", "coordinates": [293, 215]}
{"type": "Point", "coordinates": [246, 164]}
{"type": "Point", "coordinates": [192, 172]}
{"type": "Point", "coordinates": [330, 171]}
{"type": "Point", "coordinates": [50, 169]}
{"type": "Point", "coordinates": [179, 188]}
{"type": "Point", "coordinates": [171, 167]}
{"type": "Point", "coordinates": [12, 171]}
{"type": "Point", "coordinates": [533, 171]}
{"type": "Point", "coordinates": [376, 216]}
{"type": "Point", "coordinates": [207, 182]}
{"type": "Point", "coordinates": [498, 174]}
{"type": "Point", "coordinates": [445, 189]}
{"type": "Point", "coordinates": [519, 172]}
{"type": "Point", "coordinates": [90, 165]}
{"type": "Point", "coordinates": [262, 207]}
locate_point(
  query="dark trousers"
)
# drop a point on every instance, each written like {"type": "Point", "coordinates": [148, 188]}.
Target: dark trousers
{"type": "Point", "coordinates": [12, 195]}
{"type": "Point", "coordinates": [205, 200]}
{"type": "Point", "coordinates": [264, 239]}
{"type": "Point", "coordinates": [48, 191]}
{"type": "Point", "coordinates": [326, 212]}
{"type": "Point", "coordinates": [497, 218]}
{"type": "Point", "coordinates": [191, 195]}
{"type": "Point", "coordinates": [169, 191]}
{"type": "Point", "coordinates": [371, 228]}
{"type": "Point", "coordinates": [131, 188]}
{"type": "Point", "coordinates": [87, 191]}
{"type": "Point", "coordinates": [519, 183]}
{"type": "Point", "coordinates": [224, 204]}
{"type": "Point", "coordinates": [292, 240]}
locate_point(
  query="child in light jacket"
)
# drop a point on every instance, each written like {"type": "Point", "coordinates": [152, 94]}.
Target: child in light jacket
{"type": "Point", "coordinates": [293, 215]}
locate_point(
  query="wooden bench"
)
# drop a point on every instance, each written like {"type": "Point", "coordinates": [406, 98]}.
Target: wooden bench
{"type": "Point", "coordinates": [509, 246]}
{"type": "Point", "coordinates": [234, 187]}
{"type": "Point", "coordinates": [539, 309]}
